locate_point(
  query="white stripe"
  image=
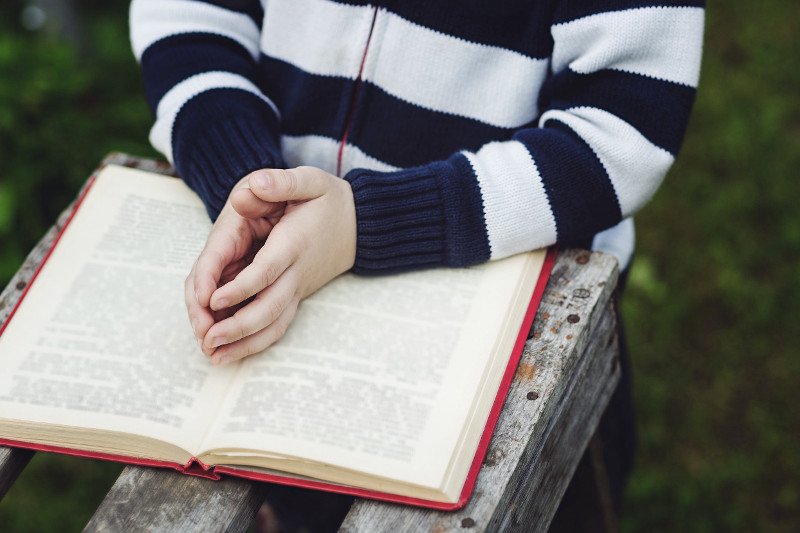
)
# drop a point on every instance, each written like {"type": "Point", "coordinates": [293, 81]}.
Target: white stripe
{"type": "Point", "coordinates": [175, 98]}
{"type": "Point", "coordinates": [354, 157]}
{"type": "Point", "coordinates": [635, 166]}
{"type": "Point", "coordinates": [618, 241]}
{"type": "Point", "coordinates": [447, 74]}
{"type": "Point", "coordinates": [413, 63]}
{"type": "Point", "coordinates": [323, 152]}
{"type": "Point", "coordinates": [153, 20]}
{"type": "Point", "coordinates": [517, 212]}
{"type": "Point", "coordinates": [318, 36]}
{"type": "Point", "coordinates": [660, 42]}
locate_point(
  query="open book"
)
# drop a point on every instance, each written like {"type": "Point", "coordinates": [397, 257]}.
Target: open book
{"type": "Point", "coordinates": [384, 387]}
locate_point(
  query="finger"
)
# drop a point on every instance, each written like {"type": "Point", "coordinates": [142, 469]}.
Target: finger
{"type": "Point", "coordinates": [270, 262]}
{"type": "Point", "coordinates": [220, 251]}
{"type": "Point", "coordinates": [248, 205]}
{"type": "Point", "coordinates": [278, 185]}
{"type": "Point", "coordinates": [199, 317]}
{"type": "Point", "coordinates": [258, 341]}
{"type": "Point", "coordinates": [218, 316]}
{"type": "Point", "coordinates": [253, 317]}
{"type": "Point", "coordinates": [232, 270]}
{"type": "Point", "coordinates": [228, 312]}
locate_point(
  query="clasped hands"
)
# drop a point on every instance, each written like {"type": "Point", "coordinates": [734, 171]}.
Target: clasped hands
{"type": "Point", "coordinates": [282, 235]}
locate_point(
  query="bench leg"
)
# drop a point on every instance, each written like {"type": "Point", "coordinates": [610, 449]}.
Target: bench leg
{"type": "Point", "coordinates": [12, 462]}
{"type": "Point", "coordinates": [588, 504]}
{"type": "Point", "coordinates": [292, 509]}
{"type": "Point", "coordinates": [593, 499]}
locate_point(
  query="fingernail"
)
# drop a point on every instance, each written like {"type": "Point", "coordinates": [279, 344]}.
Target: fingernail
{"type": "Point", "coordinates": [262, 180]}
{"type": "Point", "coordinates": [217, 341]}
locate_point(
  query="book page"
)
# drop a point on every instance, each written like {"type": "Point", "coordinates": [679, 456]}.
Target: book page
{"type": "Point", "coordinates": [376, 375]}
{"type": "Point", "coordinates": [102, 338]}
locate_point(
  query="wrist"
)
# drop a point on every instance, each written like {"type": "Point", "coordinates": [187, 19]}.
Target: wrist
{"type": "Point", "coordinates": [351, 226]}
{"type": "Point", "coordinates": [220, 136]}
{"type": "Point", "coordinates": [400, 221]}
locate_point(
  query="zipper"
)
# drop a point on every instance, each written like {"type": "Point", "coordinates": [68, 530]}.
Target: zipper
{"type": "Point", "coordinates": [354, 93]}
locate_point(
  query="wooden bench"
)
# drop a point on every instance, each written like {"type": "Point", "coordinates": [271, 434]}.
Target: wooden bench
{"type": "Point", "coordinates": [569, 368]}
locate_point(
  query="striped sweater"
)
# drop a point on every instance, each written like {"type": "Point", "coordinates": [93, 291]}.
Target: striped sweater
{"type": "Point", "coordinates": [469, 130]}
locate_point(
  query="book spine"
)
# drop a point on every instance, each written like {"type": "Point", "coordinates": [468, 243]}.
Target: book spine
{"type": "Point", "coordinates": [195, 467]}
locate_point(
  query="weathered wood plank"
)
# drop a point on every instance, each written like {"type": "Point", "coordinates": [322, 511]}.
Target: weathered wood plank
{"type": "Point", "coordinates": [12, 462]}
{"type": "Point", "coordinates": [147, 499]}
{"type": "Point", "coordinates": [561, 388]}
{"type": "Point", "coordinates": [150, 165]}
{"type": "Point", "coordinates": [530, 502]}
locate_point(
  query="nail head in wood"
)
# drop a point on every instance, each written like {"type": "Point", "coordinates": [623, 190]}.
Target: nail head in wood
{"type": "Point", "coordinates": [573, 319]}
{"type": "Point", "coordinates": [582, 258]}
{"type": "Point", "coordinates": [532, 395]}
{"type": "Point", "coordinates": [581, 293]}
{"type": "Point", "coordinates": [468, 523]}
{"type": "Point", "coordinates": [21, 285]}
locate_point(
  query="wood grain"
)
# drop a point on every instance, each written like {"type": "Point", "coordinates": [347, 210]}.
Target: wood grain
{"type": "Point", "coordinates": [565, 378]}
{"type": "Point", "coordinates": [148, 499]}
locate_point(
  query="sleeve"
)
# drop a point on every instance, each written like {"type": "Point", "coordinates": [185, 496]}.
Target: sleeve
{"type": "Point", "coordinates": [614, 112]}
{"type": "Point", "coordinates": [198, 63]}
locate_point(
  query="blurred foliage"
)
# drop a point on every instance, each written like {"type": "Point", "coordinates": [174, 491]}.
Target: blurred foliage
{"type": "Point", "coordinates": [60, 113]}
{"type": "Point", "coordinates": [713, 297]}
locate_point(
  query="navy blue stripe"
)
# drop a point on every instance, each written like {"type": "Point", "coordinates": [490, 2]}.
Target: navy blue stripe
{"type": "Point", "coordinates": [171, 60]}
{"type": "Point", "coordinates": [465, 225]}
{"type": "Point", "coordinates": [251, 8]}
{"type": "Point", "coordinates": [406, 135]}
{"type": "Point", "coordinates": [309, 104]}
{"type": "Point", "coordinates": [389, 129]}
{"type": "Point", "coordinates": [658, 109]}
{"type": "Point", "coordinates": [519, 25]}
{"type": "Point", "coordinates": [578, 188]}
{"type": "Point", "coordinates": [575, 9]}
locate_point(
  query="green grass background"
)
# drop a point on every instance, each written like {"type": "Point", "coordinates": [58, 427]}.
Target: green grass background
{"type": "Point", "coordinates": [713, 302]}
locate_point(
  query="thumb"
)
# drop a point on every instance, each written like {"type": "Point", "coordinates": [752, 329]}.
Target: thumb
{"type": "Point", "coordinates": [248, 205]}
{"type": "Point", "coordinates": [278, 185]}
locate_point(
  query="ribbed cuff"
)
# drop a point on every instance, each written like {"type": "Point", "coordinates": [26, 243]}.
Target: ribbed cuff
{"type": "Point", "coordinates": [400, 220]}
{"type": "Point", "coordinates": [221, 136]}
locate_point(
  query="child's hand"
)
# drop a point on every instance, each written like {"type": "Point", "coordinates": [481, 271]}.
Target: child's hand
{"type": "Point", "coordinates": [313, 242]}
{"type": "Point", "coordinates": [230, 247]}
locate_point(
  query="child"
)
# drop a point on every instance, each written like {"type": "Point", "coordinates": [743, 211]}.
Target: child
{"type": "Point", "coordinates": [430, 134]}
